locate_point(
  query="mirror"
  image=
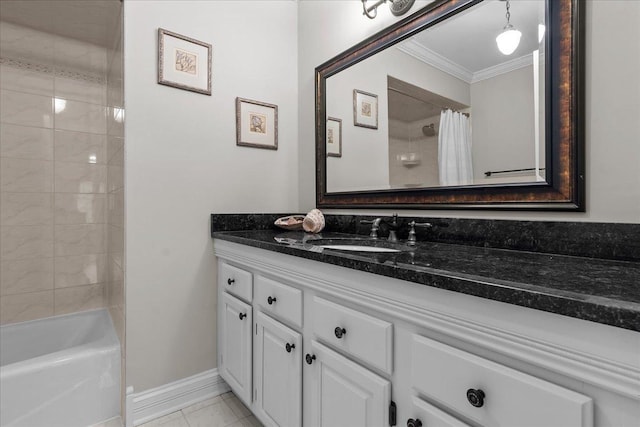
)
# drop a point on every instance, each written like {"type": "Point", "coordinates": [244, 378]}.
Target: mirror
{"type": "Point", "coordinates": [429, 113]}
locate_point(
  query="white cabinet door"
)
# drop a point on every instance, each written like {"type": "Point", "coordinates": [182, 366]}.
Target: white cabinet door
{"type": "Point", "coordinates": [277, 373]}
{"type": "Point", "coordinates": [235, 346]}
{"type": "Point", "coordinates": [343, 393]}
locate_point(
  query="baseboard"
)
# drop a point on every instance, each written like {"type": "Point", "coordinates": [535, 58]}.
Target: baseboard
{"type": "Point", "coordinates": [157, 402]}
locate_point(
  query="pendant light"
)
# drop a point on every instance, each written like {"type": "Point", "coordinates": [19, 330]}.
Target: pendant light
{"type": "Point", "coordinates": [509, 38]}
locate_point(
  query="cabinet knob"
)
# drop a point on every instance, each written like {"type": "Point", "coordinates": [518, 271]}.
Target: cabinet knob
{"type": "Point", "coordinates": [309, 358]}
{"type": "Point", "coordinates": [230, 281]}
{"type": "Point", "coordinates": [271, 300]}
{"type": "Point", "coordinates": [414, 423]}
{"type": "Point", "coordinates": [289, 347]}
{"type": "Point", "coordinates": [242, 315]}
{"type": "Point", "coordinates": [475, 397]}
{"type": "Point", "coordinates": [339, 332]}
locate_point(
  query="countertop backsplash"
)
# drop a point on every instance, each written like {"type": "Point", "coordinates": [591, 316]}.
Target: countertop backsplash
{"type": "Point", "coordinates": [585, 239]}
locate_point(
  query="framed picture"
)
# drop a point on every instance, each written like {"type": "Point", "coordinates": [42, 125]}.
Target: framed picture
{"type": "Point", "coordinates": [256, 124]}
{"type": "Point", "coordinates": [334, 137]}
{"type": "Point", "coordinates": [365, 109]}
{"type": "Point", "coordinates": [183, 62]}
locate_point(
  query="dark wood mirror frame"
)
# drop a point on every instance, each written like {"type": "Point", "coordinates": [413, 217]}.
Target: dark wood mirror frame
{"type": "Point", "coordinates": [564, 122]}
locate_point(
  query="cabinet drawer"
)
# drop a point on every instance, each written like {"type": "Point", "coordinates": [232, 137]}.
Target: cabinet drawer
{"type": "Point", "coordinates": [236, 281]}
{"type": "Point", "coordinates": [427, 415]}
{"type": "Point", "coordinates": [504, 397]}
{"type": "Point", "coordinates": [363, 336]}
{"type": "Point", "coordinates": [281, 301]}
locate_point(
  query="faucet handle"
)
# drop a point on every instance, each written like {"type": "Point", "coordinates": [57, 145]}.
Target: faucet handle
{"type": "Point", "coordinates": [375, 226]}
{"type": "Point", "coordinates": [411, 240]}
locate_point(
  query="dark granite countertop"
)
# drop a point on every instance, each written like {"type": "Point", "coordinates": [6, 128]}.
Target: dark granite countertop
{"type": "Point", "coordinates": [598, 290]}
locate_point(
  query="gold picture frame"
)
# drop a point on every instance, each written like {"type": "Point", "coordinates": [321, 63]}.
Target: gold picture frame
{"type": "Point", "coordinates": [183, 62]}
{"type": "Point", "coordinates": [256, 124]}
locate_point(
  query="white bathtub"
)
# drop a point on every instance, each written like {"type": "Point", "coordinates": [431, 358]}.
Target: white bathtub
{"type": "Point", "coordinates": [59, 371]}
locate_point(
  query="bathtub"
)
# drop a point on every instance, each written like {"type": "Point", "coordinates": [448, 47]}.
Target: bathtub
{"type": "Point", "coordinates": [59, 371]}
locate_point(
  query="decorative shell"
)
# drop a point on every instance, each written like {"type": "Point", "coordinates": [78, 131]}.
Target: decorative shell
{"type": "Point", "coordinates": [313, 222]}
{"type": "Point", "coordinates": [292, 222]}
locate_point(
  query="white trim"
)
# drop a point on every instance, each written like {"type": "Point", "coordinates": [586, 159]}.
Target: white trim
{"type": "Point", "coordinates": [430, 57]}
{"type": "Point", "coordinates": [502, 68]}
{"type": "Point", "coordinates": [419, 309]}
{"type": "Point", "coordinates": [165, 399]}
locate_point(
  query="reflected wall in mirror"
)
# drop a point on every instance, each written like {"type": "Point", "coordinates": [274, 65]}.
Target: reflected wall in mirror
{"type": "Point", "coordinates": [459, 121]}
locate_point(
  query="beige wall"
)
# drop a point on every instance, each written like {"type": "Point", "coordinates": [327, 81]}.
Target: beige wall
{"type": "Point", "coordinates": [182, 163]}
{"type": "Point", "coordinates": [365, 152]}
{"type": "Point", "coordinates": [502, 119]}
{"type": "Point", "coordinates": [53, 175]}
{"type": "Point", "coordinates": [327, 28]}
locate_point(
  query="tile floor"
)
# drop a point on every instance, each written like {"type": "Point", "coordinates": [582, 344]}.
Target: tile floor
{"type": "Point", "coordinates": [221, 411]}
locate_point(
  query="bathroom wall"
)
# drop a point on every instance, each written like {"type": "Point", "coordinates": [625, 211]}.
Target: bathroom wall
{"type": "Point", "coordinates": [327, 28]}
{"type": "Point", "coordinates": [503, 126]}
{"type": "Point", "coordinates": [53, 175]}
{"type": "Point", "coordinates": [370, 147]}
{"type": "Point", "coordinates": [182, 163]}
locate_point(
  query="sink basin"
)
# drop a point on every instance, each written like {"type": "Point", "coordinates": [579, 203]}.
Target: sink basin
{"type": "Point", "coordinates": [358, 248]}
{"type": "Point", "coordinates": [359, 245]}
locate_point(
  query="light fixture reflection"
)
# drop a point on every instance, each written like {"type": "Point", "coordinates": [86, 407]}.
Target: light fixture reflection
{"type": "Point", "coordinates": [509, 39]}
{"type": "Point", "coordinates": [118, 114]}
{"type": "Point", "coordinates": [541, 30]}
{"type": "Point", "coordinates": [59, 105]}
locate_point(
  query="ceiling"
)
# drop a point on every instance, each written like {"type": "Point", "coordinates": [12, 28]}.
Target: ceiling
{"type": "Point", "coordinates": [91, 21]}
{"type": "Point", "coordinates": [409, 103]}
{"type": "Point", "coordinates": [468, 40]}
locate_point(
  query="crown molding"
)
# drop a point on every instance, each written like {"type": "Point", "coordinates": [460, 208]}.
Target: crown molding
{"type": "Point", "coordinates": [428, 56]}
{"type": "Point", "coordinates": [502, 68]}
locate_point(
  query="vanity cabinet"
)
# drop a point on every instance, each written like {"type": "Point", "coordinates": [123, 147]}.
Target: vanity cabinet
{"type": "Point", "coordinates": [337, 347]}
{"type": "Point", "coordinates": [235, 345]}
{"type": "Point", "coordinates": [343, 392]}
{"type": "Point", "coordinates": [492, 394]}
{"type": "Point", "coordinates": [277, 372]}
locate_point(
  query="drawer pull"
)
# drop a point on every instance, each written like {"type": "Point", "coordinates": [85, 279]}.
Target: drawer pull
{"type": "Point", "coordinates": [414, 423]}
{"type": "Point", "coordinates": [339, 332]}
{"type": "Point", "coordinates": [242, 315]}
{"type": "Point", "coordinates": [230, 281]}
{"type": "Point", "coordinates": [289, 347]}
{"type": "Point", "coordinates": [271, 300]}
{"type": "Point", "coordinates": [475, 397]}
{"type": "Point", "coordinates": [309, 358]}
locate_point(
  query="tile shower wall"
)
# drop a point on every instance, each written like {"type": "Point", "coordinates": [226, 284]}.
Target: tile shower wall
{"type": "Point", "coordinates": [114, 289]}
{"type": "Point", "coordinates": [54, 186]}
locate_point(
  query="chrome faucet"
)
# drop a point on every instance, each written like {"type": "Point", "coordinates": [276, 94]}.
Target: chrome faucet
{"type": "Point", "coordinates": [393, 227]}
{"type": "Point", "coordinates": [411, 240]}
{"type": "Point", "coordinates": [375, 226]}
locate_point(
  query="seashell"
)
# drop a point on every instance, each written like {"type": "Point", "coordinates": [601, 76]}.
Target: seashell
{"type": "Point", "coordinates": [313, 222]}
{"type": "Point", "coordinates": [292, 222]}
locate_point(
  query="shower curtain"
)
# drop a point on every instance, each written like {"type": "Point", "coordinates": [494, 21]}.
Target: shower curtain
{"type": "Point", "coordinates": [454, 149]}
